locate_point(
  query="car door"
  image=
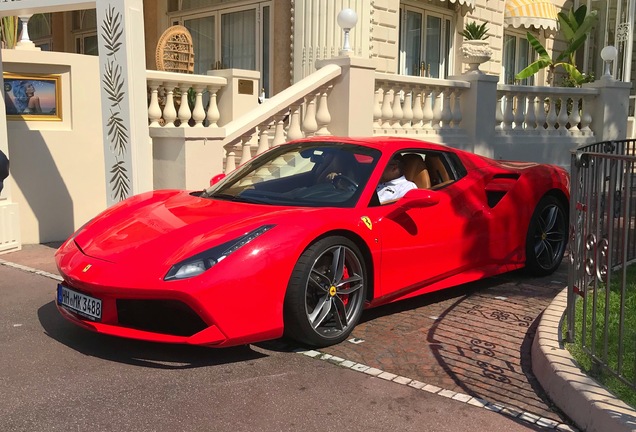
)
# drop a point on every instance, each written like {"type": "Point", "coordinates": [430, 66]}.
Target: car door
{"type": "Point", "coordinates": [423, 245]}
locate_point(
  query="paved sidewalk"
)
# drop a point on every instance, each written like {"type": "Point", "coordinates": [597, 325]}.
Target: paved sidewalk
{"type": "Point", "coordinates": [474, 339]}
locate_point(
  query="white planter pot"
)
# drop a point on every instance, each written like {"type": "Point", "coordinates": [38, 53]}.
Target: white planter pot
{"type": "Point", "coordinates": [474, 53]}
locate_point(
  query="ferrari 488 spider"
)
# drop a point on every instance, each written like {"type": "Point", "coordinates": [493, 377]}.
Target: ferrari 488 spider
{"type": "Point", "coordinates": [295, 242]}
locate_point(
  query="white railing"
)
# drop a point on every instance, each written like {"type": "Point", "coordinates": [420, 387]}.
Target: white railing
{"type": "Point", "coordinates": [169, 105]}
{"type": "Point", "coordinates": [299, 111]}
{"type": "Point", "coordinates": [406, 105]}
{"type": "Point", "coordinates": [545, 111]}
{"type": "Point", "coordinates": [506, 121]}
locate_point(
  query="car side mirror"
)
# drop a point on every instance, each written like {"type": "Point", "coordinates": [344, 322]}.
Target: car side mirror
{"type": "Point", "coordinates": [419, 198]}
{"type": "Point", "coordinates": [217, 178]}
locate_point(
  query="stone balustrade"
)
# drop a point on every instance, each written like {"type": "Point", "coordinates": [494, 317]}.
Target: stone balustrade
{"type": "Point", "coordinates": [544, 111]}
{"type": "Point", "coordinates": [414, 106]}
{"type": "Point", "coordinates": [348, 97]}
{"type": "Point", "coordinates": [169, 103]}
{"type": "Point", "coordinates": [301, 110]}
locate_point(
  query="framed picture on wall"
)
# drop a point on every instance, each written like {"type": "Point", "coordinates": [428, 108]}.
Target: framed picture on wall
{"type": "Point", "coordinates": [32, 96]}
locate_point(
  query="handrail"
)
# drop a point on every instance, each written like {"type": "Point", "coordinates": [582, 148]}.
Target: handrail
{"type": "Point", "coordinates": [282, 101]}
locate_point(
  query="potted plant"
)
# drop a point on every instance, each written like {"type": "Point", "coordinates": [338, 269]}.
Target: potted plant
{"type": "Point", "coordinates": [475, 49]}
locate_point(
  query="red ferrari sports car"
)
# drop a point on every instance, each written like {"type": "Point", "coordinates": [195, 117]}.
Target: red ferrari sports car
{"type": "Point", "coordinates": [295, 242]}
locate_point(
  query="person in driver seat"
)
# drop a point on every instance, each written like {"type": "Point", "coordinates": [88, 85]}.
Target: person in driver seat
{"type": "Point", "coordinates": [393, 185]}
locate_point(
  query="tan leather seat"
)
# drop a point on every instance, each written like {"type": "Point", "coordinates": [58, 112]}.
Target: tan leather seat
{"type": "Point", "coordinates": [436, 169]}
{"type": "Point", "coordinates": [415, 170]}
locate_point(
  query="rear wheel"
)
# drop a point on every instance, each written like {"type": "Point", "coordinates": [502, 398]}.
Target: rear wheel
{"type": "Point", "coordinates": [326, 293]}
{"type": "Point", "coordinates": [547, 237]}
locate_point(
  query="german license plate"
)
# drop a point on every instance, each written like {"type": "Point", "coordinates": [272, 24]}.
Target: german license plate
{"type": "Point", "coordinates": [79, 303]}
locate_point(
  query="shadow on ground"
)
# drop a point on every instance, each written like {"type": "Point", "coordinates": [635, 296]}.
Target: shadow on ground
{"type": "Point", "coordinates": [134, 352]}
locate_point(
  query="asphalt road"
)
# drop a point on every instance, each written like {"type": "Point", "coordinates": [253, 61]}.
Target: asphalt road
{"type": "Point", "coordinates": [57, 377]}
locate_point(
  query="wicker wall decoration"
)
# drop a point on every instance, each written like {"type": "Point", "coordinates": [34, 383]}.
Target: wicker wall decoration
{"type": "Point", "coordinates": [175, 52]}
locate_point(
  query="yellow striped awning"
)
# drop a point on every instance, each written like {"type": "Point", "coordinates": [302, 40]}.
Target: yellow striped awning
{"type": "Point", "coordinates": [528, 13]}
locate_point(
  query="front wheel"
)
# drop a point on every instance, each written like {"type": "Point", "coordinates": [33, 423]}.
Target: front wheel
{"type": "Point", "coordinates": [547, 237]}
{"type": "Point", "coordinates": [326, 293]}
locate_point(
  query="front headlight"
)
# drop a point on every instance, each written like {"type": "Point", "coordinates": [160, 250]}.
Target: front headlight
{"type": "Point", "coordinates": [203, 261]}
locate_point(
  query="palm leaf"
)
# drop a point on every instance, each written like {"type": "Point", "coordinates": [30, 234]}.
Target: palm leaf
{"type": "Point", "coordinates": [574, 73]}
{"type": "Point", "coordinates": [538, 47]}
{"type": "Point", "coordinates": [580, 13]}
{"type": "Point", "coordinates": [533, 68]}
{"type": "Point", "coordinates": [567, 27]}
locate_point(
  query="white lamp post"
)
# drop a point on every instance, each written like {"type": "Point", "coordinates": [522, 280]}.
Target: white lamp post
{"type": "Point", "coordinates": [608, 54]}
{"type": "Point", "coordinates": [347, 19]}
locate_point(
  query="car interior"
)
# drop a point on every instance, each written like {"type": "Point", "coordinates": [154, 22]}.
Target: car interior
{"type": "Point", "coordinates": [429, 171]}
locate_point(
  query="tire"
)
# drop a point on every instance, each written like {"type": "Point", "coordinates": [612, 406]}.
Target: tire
{"type": "Point", "coordinates": [326, 293]}
{"type": "Point", "coordinates": [547, 237]}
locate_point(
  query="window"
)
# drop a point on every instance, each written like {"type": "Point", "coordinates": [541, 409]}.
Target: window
{"type": "Point", "coordinates": [40, 31]}
{"type": "Point", "coordinates": [85, 31]}
{"type": "Point", "coordinates": [426, 42]}
{"type": "Point", "coordinates": [227, 37]}
{"type": "Point", "coordinates": [517, 54]}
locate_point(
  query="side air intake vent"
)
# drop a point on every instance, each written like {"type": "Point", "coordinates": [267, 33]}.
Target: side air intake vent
{"type": "Point", "coordinates": [499, 186]}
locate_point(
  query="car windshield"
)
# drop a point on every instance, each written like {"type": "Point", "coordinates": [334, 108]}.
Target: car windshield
{"type": "Point", "coordinates": [312, 174]}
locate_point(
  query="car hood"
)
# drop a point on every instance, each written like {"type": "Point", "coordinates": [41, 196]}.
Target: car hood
{"type": "Point", "coordinates": [170, 226]}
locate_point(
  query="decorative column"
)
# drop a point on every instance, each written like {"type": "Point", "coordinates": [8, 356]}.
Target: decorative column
{"type": "Point", "coordinates": [9, 217]}
{"type": "Point", "coordinates": [127, 144]}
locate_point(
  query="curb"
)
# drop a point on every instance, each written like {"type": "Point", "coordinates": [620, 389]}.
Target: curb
{"type": "Point", "coordinates": [590, 406]}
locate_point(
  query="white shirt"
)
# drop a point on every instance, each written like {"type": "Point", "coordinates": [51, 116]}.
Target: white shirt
{"type": "Point", "coordinates": [394, 189]}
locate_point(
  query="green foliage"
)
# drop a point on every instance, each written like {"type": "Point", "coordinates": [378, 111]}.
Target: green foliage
{"type": "Point", "coordinates": [9, 32]}
{"type": "Point", "coordinates": [587, 364]}
{"type": "Point", "coordinates": [575, 26]}
{"type": "Point", "coordinates": [472, 31]}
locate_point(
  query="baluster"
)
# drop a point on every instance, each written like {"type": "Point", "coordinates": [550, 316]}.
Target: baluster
{"type": "Point", "coordinates": [575, 117]}
{"type": "Point", "coordinates": [154, 110]}
{"type": "Point", "coordinates": [531, 119]}
{"type": "Point", "coordinates": [427, 117]}
{"type": "Point", "coordinates": [398, 113]}
{"type": "Point", "coordinates": [310, 126]}
{"type": "Point", "coordinates": [418, 114]}
{"type": "Point", "coordinates": [499, 113]}
{"type": "Point", "coordinates": [230, 160]}
{"type": "Point", "coordinates": [508, 115]}
{"type": "Point", "coordinates": [213, 114]}
{"type": "Point", "coordinates": [169, 111]}
{"type": "Point", "coordinates": [198, 114]}
{"type": "Point", "coordinates": [519, 112]}
{"type": "Point", "coordinates": [586, 117]}
{"type": "Point", "coordinates": [294, 132]}
{"type": "Point", "coordinates": [279, 131]}
{"type": "Point", "coordinates": [246, 153]}
{"type": "Point", "coordinates": [377, 108]}
{"type": "Point", "coordinates": [437, 108]}
{"type": "Point", "coordinates": [552, 117]}
{"type": "Point", "coordinates": [540, 113]}
{"type": "Point", "coordinates": [407, 115]}
{"type": "Point", "coordinates": [562, 118]}
{"type": "Point", "coordinates": [447, 113]}
{"type": "Point", "coordinates": [387, 111]}
{"type": "Point", "coordinates": [263, 140]}
{"type": "Point", "coordinates": [184, 108]}
{"type": "Point", "coordinates": [457, 109]}
{"type": "Point", "coordinates": [323, 117]}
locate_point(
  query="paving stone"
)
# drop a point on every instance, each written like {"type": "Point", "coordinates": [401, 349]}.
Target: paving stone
{"type": "Point", "coordinates": [478, 345]}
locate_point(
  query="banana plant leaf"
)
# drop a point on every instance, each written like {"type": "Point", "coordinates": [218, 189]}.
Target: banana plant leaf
{"type": "Point", "coordinates": [533, 68]}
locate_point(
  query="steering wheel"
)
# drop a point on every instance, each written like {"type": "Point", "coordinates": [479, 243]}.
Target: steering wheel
{"type": "Point", "coordinates": [344, 183]}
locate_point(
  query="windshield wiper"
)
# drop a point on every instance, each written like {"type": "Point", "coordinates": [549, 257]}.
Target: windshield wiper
{"type": "Point", "coordinates": [237, 198]}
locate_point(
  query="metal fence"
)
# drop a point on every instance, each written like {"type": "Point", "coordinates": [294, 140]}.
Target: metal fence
{"type": "Point", "coordinates": [602, 245]}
